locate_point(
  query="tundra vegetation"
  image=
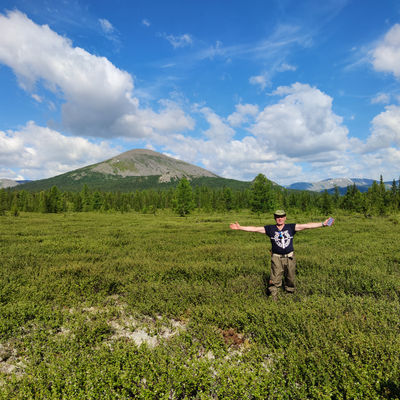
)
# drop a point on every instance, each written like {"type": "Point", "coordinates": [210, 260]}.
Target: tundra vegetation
{"type": "Point", "coordinates": [111, 305]}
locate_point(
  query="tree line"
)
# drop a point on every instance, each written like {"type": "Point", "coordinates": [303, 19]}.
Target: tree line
{"type": "Point", "coordinates": [261, 197]}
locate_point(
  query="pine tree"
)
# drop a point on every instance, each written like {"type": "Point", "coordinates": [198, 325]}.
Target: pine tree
{"type": "Point", "coordinates": [78, 204]}
{"type": "Point", "coordinates": [184, 200]}
{"type": "Point", "coordinates": [336, 197]}
{"type": "Point", "coordinates": [3, 201]}
{"type": "Point", "coordinates": [54, 200]}
{"type": "Point", "coordinates": [228, 198]}
{"type": "Point", "coordinates": [263, 198]}
{"type": "Point", "coordinates": [14, 206]}
{"type": "Point", "coordinates": [376, 198]}
{"type": "Point", "coordinates": [393, 195]}
{"type": "Point", "coordinates": [97, 201]}
{"type": "Point", "coordinates": [43, 203]}
{"type": "Point", "coordinates": [326, 203]}
{"type": "Point", "coordinates": [86, 199]}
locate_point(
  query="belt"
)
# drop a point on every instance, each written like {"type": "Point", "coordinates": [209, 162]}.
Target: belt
{"type": "Point", "coordinates": [288, 255]}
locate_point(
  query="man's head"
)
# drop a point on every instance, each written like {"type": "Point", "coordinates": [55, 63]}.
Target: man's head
{"type": "Point", "coordinates": [280, 215]}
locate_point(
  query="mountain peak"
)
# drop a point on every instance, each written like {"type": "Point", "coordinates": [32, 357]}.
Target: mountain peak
{"type": "Point", "coordinates": [143, 162]}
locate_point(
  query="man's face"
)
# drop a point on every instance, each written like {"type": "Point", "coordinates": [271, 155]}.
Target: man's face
{"type": "Point", "coordinates": [280, 220]}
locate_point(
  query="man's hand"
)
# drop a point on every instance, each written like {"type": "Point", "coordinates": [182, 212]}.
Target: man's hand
{"type": "Point", "coordinates": [235, 226]}
{"type": "Point", "coordinates": [311, 225]}
{"type": "Point", "coordinates": [325, 223]}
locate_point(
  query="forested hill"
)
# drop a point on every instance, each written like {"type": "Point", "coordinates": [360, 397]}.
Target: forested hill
{"type": "Point", "coordinates": [134, 170]}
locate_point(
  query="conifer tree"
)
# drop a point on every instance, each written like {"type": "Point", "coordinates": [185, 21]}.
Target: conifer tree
{"type": "Point", "coordinates": [326, 202]}
{"type": "Point", "coordinates": [263, 198]}
{"type": "Point", "coordinates": [393, 195]}
{"type": "Point", "coordinates": [86, 198]}
{"type": "Point", "coordinates": [184, 200]}
{"type": "Point", "coordinates": [54, 200]}
{"type": "Point", "coordinates": [228, 198]}
{"type": "Point", "coordinates": [3, 201]}
{"type": "Point", "coordinates": [43, 202]}
{"type": "Point", "coordinates": [78, 204]}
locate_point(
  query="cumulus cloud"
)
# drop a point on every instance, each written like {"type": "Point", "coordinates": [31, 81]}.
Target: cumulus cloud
{"type": "Point", "coordinates": [219, 130]}
{"type": "Point", "coordinates": [385, 130]}
{"type": "Point", "coordinates": [99, 98]}
{"type": "Point", "coordinates": [301, 124]}
{"type": "Point", "coordinates": [260, 80]}
{"type": "Point", "coordinates": [383, 161]}
{"type": "Point", "coordinates": [386, 55]}
{"type": "Point", "coordinates": [238, 159]}
{"type": "Point", "coordinates": [242, 114]}
{"type": "Point", "coordinates": [37, 152]}
{"type": "Point", "coordinates": [298, 131]}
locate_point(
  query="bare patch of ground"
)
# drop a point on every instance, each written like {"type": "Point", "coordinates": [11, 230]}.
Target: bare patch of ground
{"type": "Point", "coordinates": [149, 332]}
{"type": "Point", "coordinates": [139, 329]}
{"type": "Point", "coordinates": [10, 361]}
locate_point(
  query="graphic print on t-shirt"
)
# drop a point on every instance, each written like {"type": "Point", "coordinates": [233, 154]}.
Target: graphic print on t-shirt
{"type": "Point", "coordinates": [282, 239]}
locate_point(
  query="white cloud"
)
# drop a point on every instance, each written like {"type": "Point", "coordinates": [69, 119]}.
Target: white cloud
{"type": "Point", "coordinates": [286, 67]}
{"type": "Point", "coordinates": [37, 97]}
{"type": "Point", "coordinates": [260, 80]}
{"type": "Point", "coordinates": [218, 130]}
{"type": "Point", "coordinates": [381, 98]}
{"type": "Point", "coordinates": [146, 22]}
{"type": "Point", "coordinates": [264, 79]}
{"type": "Point", "coordinates": [99, 96]}
{"type": "Point", "coordinates": [213, 51]}
{"type": "Point", "coordinates": [386, 55]}
{"type": "Point", "coordinates": [385, 131]}
{"type": "Point", "coordinates": [242, 114]}
{"type": "Point", "coordinates": [383, 161]}
{"type": "Point", "coordinates": [301, 124]}
{"type": "Point", "coordinates": [106, 26]}
{"type": "Point", "coordinates": [179, 41]}
{"type": "Point", "coordinates": [35, 152]}
{"type": "Point", "coordinates": [298, 137]}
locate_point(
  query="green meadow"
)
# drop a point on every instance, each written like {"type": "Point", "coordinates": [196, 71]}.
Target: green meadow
{"type": "Point", "coordinates": [121, 306]}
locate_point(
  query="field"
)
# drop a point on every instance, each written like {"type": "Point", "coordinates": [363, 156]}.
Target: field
{"type": "Point", "coordinates": [119, 306]}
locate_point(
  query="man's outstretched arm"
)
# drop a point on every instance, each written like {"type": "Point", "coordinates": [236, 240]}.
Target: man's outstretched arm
{"type": "Point", "coordinates": [257, 229]}
{"type": "Point", "coordinates": [311, 225]}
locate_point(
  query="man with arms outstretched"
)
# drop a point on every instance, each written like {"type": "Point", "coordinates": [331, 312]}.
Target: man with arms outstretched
{"type": "Point", "coordinates": [283, 261]}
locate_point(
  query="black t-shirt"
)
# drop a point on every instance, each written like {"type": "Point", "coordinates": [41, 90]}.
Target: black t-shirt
{"type": "Point", "coordinates": [282, 241]}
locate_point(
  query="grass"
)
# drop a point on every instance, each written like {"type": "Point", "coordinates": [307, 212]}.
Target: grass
{"type": "Point", "coordinates": [118, 306]}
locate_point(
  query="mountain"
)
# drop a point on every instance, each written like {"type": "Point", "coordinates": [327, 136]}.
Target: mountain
{"type": "Point", "coordinates": [9, 183]}
{"type": "Point", "coordinates": [341, 183]}
{"type": "Point", "coordinates": [6, 183]}
{"type": "Point", "coordinates": [134, 170]}
{"type": "Point", "coordinates": [146, 169]}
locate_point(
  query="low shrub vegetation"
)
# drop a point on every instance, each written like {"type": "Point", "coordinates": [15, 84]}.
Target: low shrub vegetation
{"type": "Point", "coordinates": [156, 306]}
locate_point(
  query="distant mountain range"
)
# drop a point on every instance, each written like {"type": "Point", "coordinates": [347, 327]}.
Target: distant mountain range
{"type": "Point", "coordinates": [146, 169]}
{"type": "Point", "coordinates": [5, 183]}
{"type": "Point", "coordinates": [341, 183]}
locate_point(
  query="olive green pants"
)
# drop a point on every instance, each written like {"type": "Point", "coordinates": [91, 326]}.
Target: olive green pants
{"type": "Point", "coordinates": [283, 269]}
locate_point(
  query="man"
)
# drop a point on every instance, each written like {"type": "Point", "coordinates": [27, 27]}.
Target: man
{"type": "Point", "coordinates": [283, 261]}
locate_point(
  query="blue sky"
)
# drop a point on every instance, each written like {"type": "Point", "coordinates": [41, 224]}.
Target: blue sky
{"type": "Point", "coordinates": [298, 91]}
